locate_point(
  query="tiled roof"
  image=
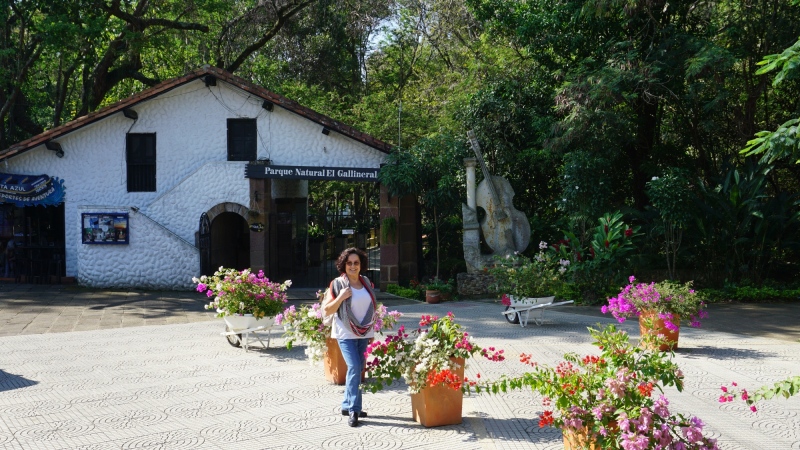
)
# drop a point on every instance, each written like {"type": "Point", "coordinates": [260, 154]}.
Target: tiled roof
{"type": "Point", "coordinates": [219, 74]}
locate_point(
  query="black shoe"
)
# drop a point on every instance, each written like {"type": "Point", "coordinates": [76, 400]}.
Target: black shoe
{"type": "Point", "coordinates": [361, 414]}
{"type": "Point", "coordinates": [353, 420]}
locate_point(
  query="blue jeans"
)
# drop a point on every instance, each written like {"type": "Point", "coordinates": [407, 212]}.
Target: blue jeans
{"type": "Point", "coordinates": [353, 354]}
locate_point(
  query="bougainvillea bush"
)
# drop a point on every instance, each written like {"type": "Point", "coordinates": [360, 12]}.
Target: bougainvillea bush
{"type": "Point", "coordinates": [234, 292]}
{"type": "Point", "coordinates": [670, 300]}
{"type": "Point", "coordinates": [306, 325]}
{"type": "Point", "coordinates": [615, 397]}
{"type": "Point", "coordinates": [425, 360]}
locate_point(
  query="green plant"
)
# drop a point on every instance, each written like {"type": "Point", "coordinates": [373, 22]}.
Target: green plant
{"type": "Point", "coordinates": [425, 361]}
{"type": "Point", "coordinates": [596, 266]}
{"type": "Point", "coordinates": [437, 285]}
{"type": "Point", "coordinates": [671, 195]}
{"type": "Point", "coordinates": [404, 292]}
{"type": "Point", "coordinates": [785, 388]}
{"type": "Point", "coordinates": [236, 293]}
{"type": "Point", "coordinates": [610, 396]}
{"type": "Point", "coordinates": [389, 230]}
{"type": "Point", "coordinates": [750, 294]}
{"type": "Point", "coordinates": [522, 277]}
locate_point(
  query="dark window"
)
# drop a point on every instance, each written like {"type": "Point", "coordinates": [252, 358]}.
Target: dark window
{"type": "Point", "coordinates": [242, 140]}
{"type": "Point", "coordinates": [140, 153]}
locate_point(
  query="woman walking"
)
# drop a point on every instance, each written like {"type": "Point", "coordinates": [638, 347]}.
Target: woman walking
{"type": "Point", "coordinates": [351, 301]}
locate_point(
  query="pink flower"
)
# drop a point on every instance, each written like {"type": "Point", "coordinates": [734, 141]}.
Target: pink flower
{"type": "Point", "coordinates": [505, 300]}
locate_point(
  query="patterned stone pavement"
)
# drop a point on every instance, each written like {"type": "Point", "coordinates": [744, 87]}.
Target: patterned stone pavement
{"type": "Point", "coordinates": [181, 386]}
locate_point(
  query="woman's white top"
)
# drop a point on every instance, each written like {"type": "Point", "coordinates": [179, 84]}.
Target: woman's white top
{"type": "Point", "coordinates": [359, 303]}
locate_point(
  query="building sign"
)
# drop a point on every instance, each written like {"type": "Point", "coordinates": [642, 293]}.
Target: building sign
{"type": "Point", "coordinates": [311, 173]}
{"type": "Point", "coordinates": [30, 190]}
{"type": "Point", "coordinates": [105, 228]}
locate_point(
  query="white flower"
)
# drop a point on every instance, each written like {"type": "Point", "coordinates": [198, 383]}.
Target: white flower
{"type": "Point", "coordinates": [564, 262]}
{"type": "Point", "coordinates": [562, 269]}
{"type": "Point", "coordinates": [654, 178]}
{"type": "Point", "coordinates": [542, 245]}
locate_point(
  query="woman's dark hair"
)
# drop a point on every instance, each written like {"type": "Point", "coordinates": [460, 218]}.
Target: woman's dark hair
{"type": "Point", "coordinates": [341, 263]}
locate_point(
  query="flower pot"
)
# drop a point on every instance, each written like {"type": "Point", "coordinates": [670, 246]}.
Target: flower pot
{"type": "Point", "coordinates": [658, 327]}
{"type": "Point", "coordinates": [246, 322]}
{"type": "Point", "coordinates": [582, 439]}
{"type": "Point", "coordinates": [579, 440]}
{"type": "Point", "coordinates": [433, 297]}
{"type": "Point", "coordinates": [335, 365]}
{"type": "Point", "coordinates": [439, 405]}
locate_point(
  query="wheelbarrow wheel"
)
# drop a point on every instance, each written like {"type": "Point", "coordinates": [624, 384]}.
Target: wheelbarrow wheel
{"type": "Point", "coordinates": [512, 318]}
{"type": "Point", "coordinates": [233, 339]}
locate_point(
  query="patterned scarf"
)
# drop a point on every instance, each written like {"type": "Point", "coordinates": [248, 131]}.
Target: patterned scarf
{"type": "Point", "coordinates": [345, 311]}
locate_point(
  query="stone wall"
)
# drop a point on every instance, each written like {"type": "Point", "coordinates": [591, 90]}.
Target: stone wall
{"type": "Point", "coordinates": [475, 285]}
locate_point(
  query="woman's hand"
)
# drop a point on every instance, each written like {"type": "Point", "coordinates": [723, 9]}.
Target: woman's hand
{"type": "Point", "coordinates": [344, 294]}
{"type": "Point", "coordinates": [330, 307]}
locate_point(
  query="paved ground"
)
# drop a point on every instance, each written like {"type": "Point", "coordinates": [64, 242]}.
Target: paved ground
{"type": "Point", "coordinates": [150, 370]}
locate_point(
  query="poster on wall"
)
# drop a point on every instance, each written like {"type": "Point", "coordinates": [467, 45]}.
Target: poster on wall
{"type": "Point", "coordinates": [105, 228]}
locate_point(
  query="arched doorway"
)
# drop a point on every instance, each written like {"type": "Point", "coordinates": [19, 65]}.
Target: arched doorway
{"type": "Point", "coordinates": [230, 242]}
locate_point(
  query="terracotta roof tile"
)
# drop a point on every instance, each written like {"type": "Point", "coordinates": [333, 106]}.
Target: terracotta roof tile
{"type": "Point", "coordinates": [279, 100]}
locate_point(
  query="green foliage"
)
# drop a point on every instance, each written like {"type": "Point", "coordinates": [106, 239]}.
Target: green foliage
{"type": "Point", "coordinates": [599, 265]}
{"type": "Point", "coordinates": [785, 388]}
{"type": "Point", "coordinates": [671, 196]}
{"type": "Point", "coordinates": [754, 294]}
{"type": "Point", "coordinates": [785, 141]}
{"type": "Point", "coordinates": [399, 291]}
{"type": "Point", "coordinates": [521, 277]}
{"type": "Point", "coordinates": [741, 227]}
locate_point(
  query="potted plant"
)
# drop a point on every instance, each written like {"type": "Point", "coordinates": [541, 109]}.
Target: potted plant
{"type": "Point", "coordinates": [447, 289]}
{"type": "Point", "coordinates": [432, 364]}
{"type": "Point", "coordinates": [305, 325]}
{"type": "Point", "coordinates": [660, 308]}
{"type": "Point", "coordinates": [614, 400]}
{"type": "Point", "coordinates": [434, 290]}
{"type": "Point", "coordinates": [524, 281]}
{"type": "Point", "coordinates": [243, 299]}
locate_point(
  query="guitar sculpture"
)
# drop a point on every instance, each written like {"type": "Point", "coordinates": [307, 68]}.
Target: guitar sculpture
{"type": "Point", "coordinates": [505, 229]}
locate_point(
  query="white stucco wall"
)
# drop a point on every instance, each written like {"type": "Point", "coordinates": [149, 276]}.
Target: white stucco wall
{"type": "Point", "coordinates": [193, 175]}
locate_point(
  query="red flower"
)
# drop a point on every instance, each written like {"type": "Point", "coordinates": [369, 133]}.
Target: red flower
{"type": "Point", "coordinates": [545, 418]}
{"type": "Point", "coordinates": [629, 232]}
{"type": "Point", "coordinates": [505, 300]}
{"type": "Point", "coordinates": [646, 389]}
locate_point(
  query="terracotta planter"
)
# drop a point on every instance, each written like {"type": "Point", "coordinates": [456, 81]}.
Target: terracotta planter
{"type": "Point", "coordinates": [582, 439]}
{"type": "Point", "coordinates": [440, 405]}
{"type": "Point", "coordinates": [659, 328]}
{"type": "Point", "coordinates": [335, 365]}
{"type": "Point", "coordinates": [433, 297]}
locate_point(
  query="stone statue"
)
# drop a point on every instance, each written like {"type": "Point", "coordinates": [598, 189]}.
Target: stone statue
{"type": "Point", "coordinates": [505, 229]}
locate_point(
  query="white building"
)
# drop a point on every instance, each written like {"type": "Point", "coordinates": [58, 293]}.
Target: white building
{"type": "Point", "coordinates": [156, 182]}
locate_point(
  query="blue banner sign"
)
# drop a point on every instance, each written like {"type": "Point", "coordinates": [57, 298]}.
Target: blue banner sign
{"type": "Point", "coordinates": [30, 190]}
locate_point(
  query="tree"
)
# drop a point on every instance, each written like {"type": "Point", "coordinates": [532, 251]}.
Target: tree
{"type": "Point", "coordinates": [785, 141]}
{"type": "Point", "coordinates": [429, 171]}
